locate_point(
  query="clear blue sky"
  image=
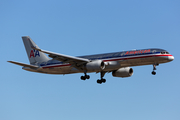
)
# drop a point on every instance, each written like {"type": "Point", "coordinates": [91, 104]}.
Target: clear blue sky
{"type": "Point", "coordinates": [79, 27]}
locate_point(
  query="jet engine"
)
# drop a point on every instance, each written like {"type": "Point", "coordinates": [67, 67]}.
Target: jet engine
{"type": "Point", "coordinates": [95, 66]}
{"type": "Point", "coordinates": [123, 72]}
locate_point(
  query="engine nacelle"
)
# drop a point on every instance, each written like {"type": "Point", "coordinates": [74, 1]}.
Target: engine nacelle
{"type": "Point", "coordinates": [95, 66]}
{"type": "Point", "coordinates": [123, 72]}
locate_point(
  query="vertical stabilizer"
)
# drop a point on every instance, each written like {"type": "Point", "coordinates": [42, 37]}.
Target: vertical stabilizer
{"type": "Point", "coordinates": [34, 56]}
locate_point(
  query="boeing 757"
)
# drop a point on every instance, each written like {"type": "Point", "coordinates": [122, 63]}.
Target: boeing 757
{"type": "Point", "coordinates": [118, 63]}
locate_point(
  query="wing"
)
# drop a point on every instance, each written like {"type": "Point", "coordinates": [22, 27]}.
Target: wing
{"type": "Point", "coordinates": [24, 65]}
{"type": "Point", "coordinates": [65, 58]}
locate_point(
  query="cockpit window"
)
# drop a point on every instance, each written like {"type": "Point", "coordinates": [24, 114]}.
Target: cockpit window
{"type": "Point", "coordinates": [164, 52]}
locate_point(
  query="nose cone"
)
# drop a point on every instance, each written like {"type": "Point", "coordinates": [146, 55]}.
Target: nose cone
{"type": "Point", "coordinates": [171, 58]}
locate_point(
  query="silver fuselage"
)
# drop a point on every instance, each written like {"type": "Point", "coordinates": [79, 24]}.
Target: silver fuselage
{"type": "Point", "coordinates": [113, 61]}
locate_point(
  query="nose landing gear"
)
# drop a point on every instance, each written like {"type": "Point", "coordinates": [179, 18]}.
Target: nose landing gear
{"type": "Point", "coordinates": [154, 68]}
{"type": "Point", "coordinates": [153, 73]}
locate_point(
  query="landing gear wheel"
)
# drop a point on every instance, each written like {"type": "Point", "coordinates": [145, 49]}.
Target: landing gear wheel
{"type": "Point", "coordinates": [87, 76]}
{"type": "Point", "coordinates": [99, 81]}
{"type": "Point", "coordinates": [153, 72]}
{"type": "Point", "coordinates": [83, 78]}
{"type": "Point", "coordinates": [103, 80]}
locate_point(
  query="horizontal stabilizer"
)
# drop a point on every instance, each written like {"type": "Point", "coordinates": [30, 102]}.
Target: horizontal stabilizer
{"type": "Point", "coordinates": [24, 65]}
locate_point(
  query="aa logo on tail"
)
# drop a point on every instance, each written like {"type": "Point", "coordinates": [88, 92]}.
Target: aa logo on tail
{"type": "Point", "coordinates": [34, 53]}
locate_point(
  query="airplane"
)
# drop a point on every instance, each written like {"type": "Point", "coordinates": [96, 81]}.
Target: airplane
{"type": "Point", "coordinates": [118, 63]}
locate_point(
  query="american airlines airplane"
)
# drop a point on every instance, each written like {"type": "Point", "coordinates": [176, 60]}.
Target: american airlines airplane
{"type": "Point", "coordinates": [118, 63]}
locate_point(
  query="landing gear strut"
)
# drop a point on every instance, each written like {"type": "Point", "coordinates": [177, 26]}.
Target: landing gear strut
{"type": "Point", "coordinates": [102, 80]}
{"type": "Point", "coordinates": [85, 76]}
{"type": "Point", "coordinates": [154, 68]}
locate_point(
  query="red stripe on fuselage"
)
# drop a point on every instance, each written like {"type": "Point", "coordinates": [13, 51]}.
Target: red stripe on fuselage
{"type": "Point", "coordinates": [159, 55]}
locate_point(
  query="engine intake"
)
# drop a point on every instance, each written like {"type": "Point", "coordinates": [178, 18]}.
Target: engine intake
{"type": "Point", "coordinates": [95, 66]}
{"type": "Point", "coordinates": [123, 72]}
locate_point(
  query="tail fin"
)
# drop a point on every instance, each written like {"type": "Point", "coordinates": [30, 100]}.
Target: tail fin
{"type": "Point", "coordinates": [33, 55]}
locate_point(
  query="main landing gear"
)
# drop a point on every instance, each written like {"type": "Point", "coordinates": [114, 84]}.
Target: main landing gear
{"type": "Point", "coordinates": [99, 81]}
{"type": "Point", "coordinates": [154, 68]}
{"type": "Point", "coordinates": [102, 80]}
{"type": "Point", "coordinates": [85, 77]}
